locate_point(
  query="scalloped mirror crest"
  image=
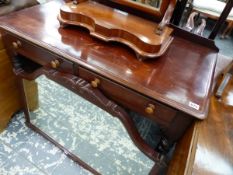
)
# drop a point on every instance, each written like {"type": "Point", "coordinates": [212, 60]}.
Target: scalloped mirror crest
{"type": "Point", "coordinates": [148, 39]}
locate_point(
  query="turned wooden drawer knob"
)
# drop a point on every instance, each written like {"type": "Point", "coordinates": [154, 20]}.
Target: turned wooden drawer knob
{"type": "Point", "coordinates": [150, 109]}
{"type": "Point", "coordinates": [16, 44]}
{"type": "Point", "coordinates": [55, 64]}
{"type": "Point", "coordinates": [95, 83]}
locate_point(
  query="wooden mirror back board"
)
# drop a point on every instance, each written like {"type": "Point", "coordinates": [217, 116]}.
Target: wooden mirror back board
{"type": "Point", "coordinates": [147, 38]}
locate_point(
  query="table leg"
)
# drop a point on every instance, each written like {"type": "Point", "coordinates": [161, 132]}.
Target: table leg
{"type": "Point", "coordinates": [31, 88]}
{"type": "Point", "coordinates": [227, 76]}
{"type": "Point", "coordinates": [223, 84]}
{"type": "Point", "coordinates": [226, 33]}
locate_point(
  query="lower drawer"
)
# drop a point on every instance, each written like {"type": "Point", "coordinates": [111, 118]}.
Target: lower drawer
{"type": "Point", "coordinates": [129, 98]}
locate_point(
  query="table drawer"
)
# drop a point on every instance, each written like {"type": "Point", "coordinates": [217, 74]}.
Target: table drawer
{"type": "Point", "coordinates": [130, 99]}
{"type": "Point", "coordinates": [37, 54]}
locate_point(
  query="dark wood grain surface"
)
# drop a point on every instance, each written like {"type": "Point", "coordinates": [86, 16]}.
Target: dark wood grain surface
{"type": "Point", "coordinates": [180, 78]}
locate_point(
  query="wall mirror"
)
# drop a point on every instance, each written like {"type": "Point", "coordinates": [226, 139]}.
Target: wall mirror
{"type": "Point", "coordinates": [83, 129]}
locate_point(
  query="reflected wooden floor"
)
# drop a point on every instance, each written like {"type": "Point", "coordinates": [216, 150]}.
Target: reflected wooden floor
{"type": "Point", "coordinates": [207, 148]}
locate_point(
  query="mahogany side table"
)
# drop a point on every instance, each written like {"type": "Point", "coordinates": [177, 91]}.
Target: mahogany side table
{"type": "Point", "coordinates": [172, 90]}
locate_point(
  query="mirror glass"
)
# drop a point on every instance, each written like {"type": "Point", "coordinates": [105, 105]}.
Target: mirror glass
{"type": "Point", "coordinates": [148, 3]}
{"type": "Point", "coordinates": [84, 129]}
{"type": "Point", "coordinates": [156, 8]}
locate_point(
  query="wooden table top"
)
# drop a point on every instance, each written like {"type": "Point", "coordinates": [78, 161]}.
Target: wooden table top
{"type": "Point", "coordinates": [182, 78]}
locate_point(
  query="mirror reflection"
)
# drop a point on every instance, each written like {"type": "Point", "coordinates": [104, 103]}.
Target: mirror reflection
{"type": "Point", "coordinates": [86, 130]}
{"type": "Point", "coordinates": [150, 3]}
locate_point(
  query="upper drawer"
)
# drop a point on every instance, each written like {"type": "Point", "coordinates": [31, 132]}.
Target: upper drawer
{"type": "Point", "coordinates": [130, 99]}
{"type": "Point", "coordinates": [37, 54]}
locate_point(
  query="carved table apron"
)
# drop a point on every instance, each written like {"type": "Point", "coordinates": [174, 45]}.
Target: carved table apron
{"type": "Point", "coordinates": [171, 91]}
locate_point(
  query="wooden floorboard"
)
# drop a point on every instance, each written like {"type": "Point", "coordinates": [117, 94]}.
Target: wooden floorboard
{"type": "Point", "coordinates": [207, 147]}
{"type": "Point", "coordinates": [214, 153]}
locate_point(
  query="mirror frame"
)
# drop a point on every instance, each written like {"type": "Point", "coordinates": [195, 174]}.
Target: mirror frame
{"type": "Point", "coordinates": [149, 10]}
{"type": "Point", "coordinates": [150, 13]}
